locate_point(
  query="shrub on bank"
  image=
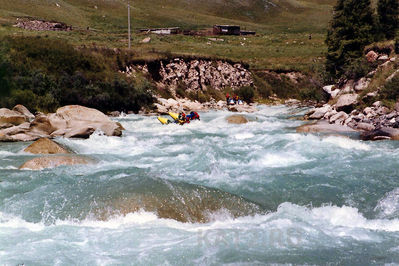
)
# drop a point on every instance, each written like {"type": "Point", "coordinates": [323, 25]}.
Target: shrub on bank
{"type": "Point", "coordinates": [390, 90]}
{"type": "Point", "coordinates": [246, 93]}
{"type": "Point", "coordinates": [45, 74]}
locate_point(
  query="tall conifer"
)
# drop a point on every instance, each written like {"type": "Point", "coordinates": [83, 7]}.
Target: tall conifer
{"type": "Point", "coordinates": [351, 29]}
{"type": "Point", "coordinates": [388, 11]}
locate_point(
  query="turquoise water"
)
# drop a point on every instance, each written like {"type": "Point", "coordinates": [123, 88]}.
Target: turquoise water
{"type": "Point", "coordinates": [206, 193]}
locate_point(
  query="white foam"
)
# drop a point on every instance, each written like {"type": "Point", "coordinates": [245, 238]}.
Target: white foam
{"type": "Point", "coordinates": [6, 153]}
{"type": "Point", "coordinates": [10, 221]}
{"type": "Point", "coordinates": [347, 143]}
{"type": "Point", "coordinates": [389, 205]}
{"type": "Point", "coordinates": [137, 218]}
{"type": "Point", "coordinates": [244, 136]}
{"type": "Point", "coordinates": [277, 160]}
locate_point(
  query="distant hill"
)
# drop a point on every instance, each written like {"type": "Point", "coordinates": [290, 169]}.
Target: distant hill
{"type": "Point", "coordinates": [290, 33]}
{"type": "Point", "coordinates": [110, 15]}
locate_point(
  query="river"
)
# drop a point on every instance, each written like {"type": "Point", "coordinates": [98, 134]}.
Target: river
{"type": "Point", "coordinates": [205, 193]}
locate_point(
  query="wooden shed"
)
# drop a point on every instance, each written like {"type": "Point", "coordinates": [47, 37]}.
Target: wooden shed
{"type": "Point", "coordinates": [226, 30]}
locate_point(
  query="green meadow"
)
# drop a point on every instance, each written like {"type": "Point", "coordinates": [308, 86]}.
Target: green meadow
{"type": "Point", "coordinates": [283, 28]}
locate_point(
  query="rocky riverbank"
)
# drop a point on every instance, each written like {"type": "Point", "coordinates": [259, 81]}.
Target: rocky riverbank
{"type": "Point", "coordinates": [355, 104]}
{"type": "Point", "coordinates": [72, 121]}
{"type": "Point", "coordinates": [185, 105]}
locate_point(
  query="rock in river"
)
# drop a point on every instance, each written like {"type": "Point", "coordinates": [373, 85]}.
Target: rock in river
{"type": "Point", "coordinates": [54, 161]}
{"type": "Point", "coordinates": [237, 119]}
{"type": "Point", "coordinates": [46, 146]}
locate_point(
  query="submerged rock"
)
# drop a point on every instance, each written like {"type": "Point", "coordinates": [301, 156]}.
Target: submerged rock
{"type": "Point", "coordinates": [54, 161]}
{"type": "Point", "coordinates": [381, 134]}
{"type": "Point", "coordinates": [324, 127]}
{"type": "Point", "coordinates": [237, 119]}
{"type": "Point", "coordinates": [46, 146]}
{"type": "Point", "coordinates": [179, 201]}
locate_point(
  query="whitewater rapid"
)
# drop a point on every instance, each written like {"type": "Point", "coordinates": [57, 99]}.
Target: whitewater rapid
{"type": "Point", "coordinates": [205, 193]}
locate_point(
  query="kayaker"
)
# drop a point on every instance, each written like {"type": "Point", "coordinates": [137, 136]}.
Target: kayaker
{"type": "Point", "coordinates": [182, 119]}
{"type": "Point", "coordinates": [193, 116]}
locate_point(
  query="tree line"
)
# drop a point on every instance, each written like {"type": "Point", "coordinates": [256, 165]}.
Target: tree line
{"type": "Point", "coordinates": [355, 24]}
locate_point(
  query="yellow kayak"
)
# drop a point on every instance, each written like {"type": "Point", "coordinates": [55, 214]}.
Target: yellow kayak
{"type": "Point", "coordinates": [175, 116]}
{"type": "Point", "coordinates": [163, 120]}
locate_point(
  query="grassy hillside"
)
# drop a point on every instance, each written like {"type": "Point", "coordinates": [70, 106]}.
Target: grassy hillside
{"type": "Point", "coordinates": [283, 27]}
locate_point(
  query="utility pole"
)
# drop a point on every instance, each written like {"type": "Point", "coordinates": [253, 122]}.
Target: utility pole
{"type": "Point", "coordinates": [128, 23]}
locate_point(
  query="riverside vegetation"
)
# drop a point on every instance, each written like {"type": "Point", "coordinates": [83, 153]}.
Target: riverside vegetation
{"type": "Point", "coordinates": [37, 59]}
{"type": "Point", "coordinates": [46, 70]}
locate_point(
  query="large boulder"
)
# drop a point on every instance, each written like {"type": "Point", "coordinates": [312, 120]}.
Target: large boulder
{"type": "Point", "coordinates": [42, 126]}
{"type": "Point", "coordinates": [237, 119]}
{"type": "Point", "coordinates": [346, 102]}
{"type": "Point", "coordinates": [18, 133]}
{"type": "Point", "coordinates": [8, 116]}
{"type": "Point", "coordinates": [24, 111]}
{"type": "Point", "coordinates": [46, 146]}
{"type": "Point", "coordinates": [69, 121]}
{"type": "Point", "coordinates": [82, 120]}
{"type": "Point", "coordinates": [54, 161]}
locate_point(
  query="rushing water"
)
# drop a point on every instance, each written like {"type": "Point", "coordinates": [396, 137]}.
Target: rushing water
{"type": "Point", "coordinates": [205, 193]}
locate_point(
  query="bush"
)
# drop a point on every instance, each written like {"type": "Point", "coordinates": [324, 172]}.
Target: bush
{"type": "Point", "coordinates": [356, 68]}
{"type": "Point", "coordinates": [4, 76]}
{"type": "Point", "coordinates": [45, 74]}
{"type": "Point", "coordinates": [246, 93]}
{"type": "Point", "coordinates": [390, 90]}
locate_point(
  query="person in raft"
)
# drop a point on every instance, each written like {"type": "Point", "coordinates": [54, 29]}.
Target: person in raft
{"type": "Point", "coordinates": [185, 119]}
{"type": "Point", "coordinates": [227, 98]}
{"type": "Point", "coordinates": [193, 116]}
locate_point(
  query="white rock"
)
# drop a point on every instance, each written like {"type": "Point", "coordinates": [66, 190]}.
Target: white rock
{"type": "Point", "coordinates": [377, 104]}
{"type": "Point", "coordinates": [362, 84]}
{"type": "Point", "coordinates": [320, 112]}
{"type": "Point", "coordinates": [346, 102]}
{"type": "Point", "coordinates": [339, 118]}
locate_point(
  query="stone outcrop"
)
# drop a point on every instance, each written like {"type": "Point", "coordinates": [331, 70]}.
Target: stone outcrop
{"type": "Point", "coordinates": [41, 25]}
{"type": "Point", "coordinates": [71, 121]}
{"type": "Point", "coordinates": [46, 146]}
{"type": "Point", "coordinates": [237, 119]}
{"type": "Point", "coordinates": [41, 163]}
{"type": "Point", "coordinates": [194, 75]}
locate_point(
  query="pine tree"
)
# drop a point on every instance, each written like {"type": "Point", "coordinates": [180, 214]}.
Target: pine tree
{"type": "Point", "coordinates": [388, 11]}
{"type": "Point", "coordinates": [351, 29]}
